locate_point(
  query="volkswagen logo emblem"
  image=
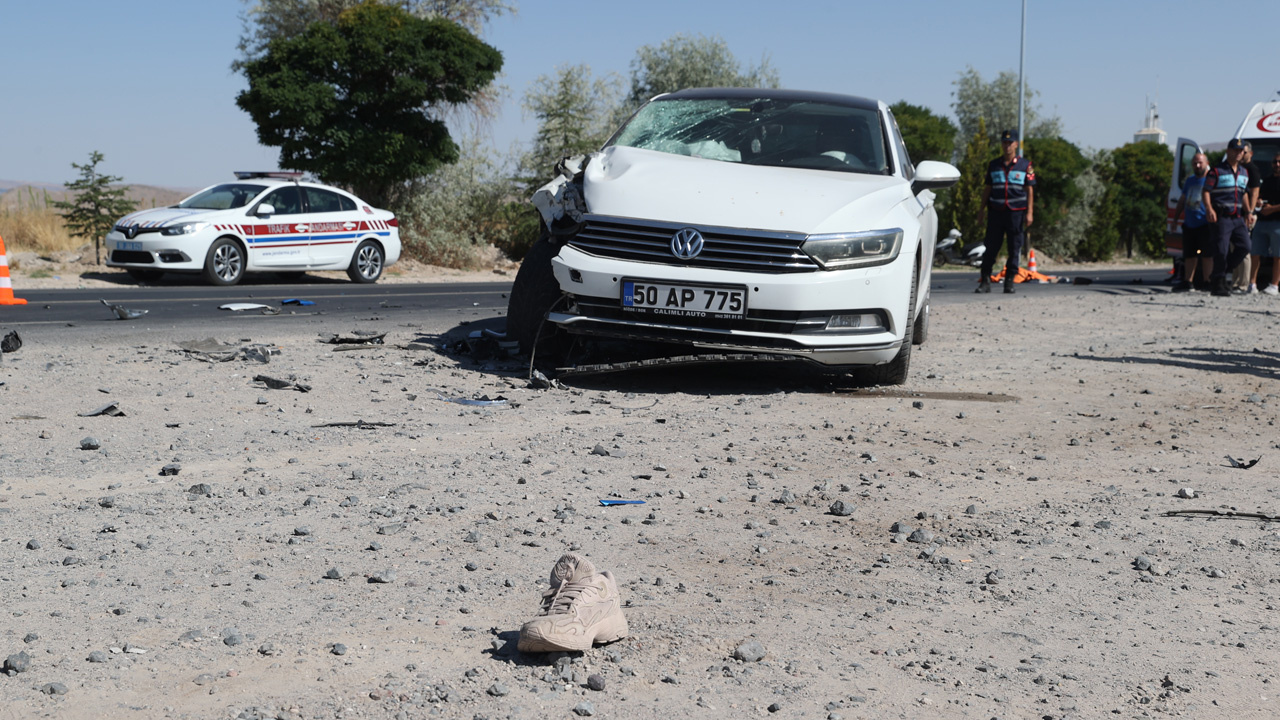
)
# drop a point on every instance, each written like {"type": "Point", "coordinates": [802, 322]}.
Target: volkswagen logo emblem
{"type": "Point", "coordinates": [686, 244]}
{"type": "Point", "coordinates": [132, 231]}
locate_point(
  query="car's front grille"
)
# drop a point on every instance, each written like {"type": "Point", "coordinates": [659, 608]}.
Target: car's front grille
{"type": "Point", "coordinates": [124, 229]}
{"type": "Point", "coordinates": [131, 256]}
{"type": "Point", "coordinates": [724, 248]}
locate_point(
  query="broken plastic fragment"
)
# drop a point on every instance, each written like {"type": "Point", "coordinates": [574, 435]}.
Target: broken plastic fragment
{"type": "Point", "coordinates": [1243, 464]}
{"type": "Point", "coordinates": [359, 337]}
{"type": "Point", "coordinates": [356, 424]}
{"type": "Point", "coordinates": [296, 301]}
{"type": "Point", "coordinates": [278, 384]}
{"type": "Point", "coordinates": [111, 409]}
{"type": "Point", "coordinates": [123, 312]}
{"type": "Point", "coordinates": [607, 503]}
{"type": "Point", "coordinates": [241, 307]}
{"type": "Point", "coordinates": [482, 401]}
{"type": "Point", "coordinates": [12, 342]}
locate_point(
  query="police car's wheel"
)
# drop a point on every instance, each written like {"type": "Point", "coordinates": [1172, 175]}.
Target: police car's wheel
{"type": "Point", "coordinates": [144, 275]}
{"type": "Point", "coordinates": [224, 264]}
{"type": "Point", "coordinates": [366, 264]}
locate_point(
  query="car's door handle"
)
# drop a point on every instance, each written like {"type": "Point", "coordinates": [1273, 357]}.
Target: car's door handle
{"type": "Point", "coordinates": [302, 228]}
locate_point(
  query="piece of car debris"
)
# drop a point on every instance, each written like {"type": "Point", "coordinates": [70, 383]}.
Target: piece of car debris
{"type": "Point", "coordinates": [356, 424]}
{"type": "Point", "coordinates": [242, 307]}
{"type": "Point", "coordinates": [123, 312]}
{"type": "Point", "coordinates": [359, 337]}
{"type": "Point", "coordinates": [608, 503]}
{"type": "Point", "coordinates": [278, 384]}
{"type": "Point", "coordinates": [297, 301]}
{"type": "Point", "coordinates": [1241, 463]}
{"type": "Point", "coordinates": [539, 381]}
{"type": "Point", "coordinates": [213, 350]}
{"type": "Point", "coordinates": [111, 409]}
{"type": "Point", "coordinates": [482, 401]}
{"type": "Point", "coordinates": [12, 342]}
{"type": "Point", "coordinates": [1222, 514]}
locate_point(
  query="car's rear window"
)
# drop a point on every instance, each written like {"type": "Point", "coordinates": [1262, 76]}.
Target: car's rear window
{"type": "Point", "coordinates": [763, 131]}
{"type": "Point", "coordinates": [223, 197]}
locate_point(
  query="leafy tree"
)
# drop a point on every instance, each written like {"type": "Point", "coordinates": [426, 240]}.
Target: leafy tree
{"type": "Point", "coordinates": [573, 111]}
{"type": "Point", "coordinates": [928, 136]}
{"type": "Point", "coordinates": [965, 203]}
{"type": "Point", "coordinates": [686, 61]}
{"type": "Point", "coordinates": [96, 205]}
{"type": "Point", "coordinates": [1103, 234]}
{"type": "Point", "coordinates": [997, 103]}
{"type": "Point", "coordinates": [267, 20]}
{"type": "Point", "coordinates": [351, 101]}
{"type": "Point", "coordinates": [1057, 163]}
{"type": "Point", "coordinates": [1142, 171]}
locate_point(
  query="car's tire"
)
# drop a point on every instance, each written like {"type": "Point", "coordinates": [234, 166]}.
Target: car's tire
{"type": "Point", "coordinates": [144, 275]}
{"type": "Point", "coordinates": [533, 294]}
{"type": "Point", "coordinates": [920, 332]}
{"type": "Point", "coordinates": [895, 371]}
{"type": "Point", "coordinates": [367, 263]}
{"type": "Point", "coordinates": [225, 262]}
{"type": "Point", "coordinates": [291, 275]}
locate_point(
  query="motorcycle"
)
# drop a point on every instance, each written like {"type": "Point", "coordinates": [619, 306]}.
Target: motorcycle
{"type": "Point", "coordinates": [950, 250]}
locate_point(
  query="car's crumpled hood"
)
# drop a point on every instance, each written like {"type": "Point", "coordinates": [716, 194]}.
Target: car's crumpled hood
{"type": "Point", "coordinates": [158, 217]}
{"type": "Point", "coordinates": [634, 183]}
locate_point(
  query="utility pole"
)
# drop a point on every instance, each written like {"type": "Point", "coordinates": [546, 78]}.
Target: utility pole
{"type": "Point", "coordinates": [1022, 96]}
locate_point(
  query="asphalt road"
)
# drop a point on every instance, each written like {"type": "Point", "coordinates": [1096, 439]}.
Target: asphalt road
{"type": "Point", "coordinates": [343, 304]}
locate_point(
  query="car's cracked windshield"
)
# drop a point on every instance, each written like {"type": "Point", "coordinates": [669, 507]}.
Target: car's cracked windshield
{"type": "Point", "coordinates": [223, 197]}
{"type": "Point", "coordinates": [777, 133]}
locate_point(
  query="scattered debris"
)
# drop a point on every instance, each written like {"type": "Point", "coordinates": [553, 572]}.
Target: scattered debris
{"type": "Point", "coordinates": [296, 301]}
{"type": "Point", "coordinates": [1222, 514]}
{"type": "Point", "coordinates": [278, 384]}
{"type": "Point", "coordinates": [212, 350]}
{"type": "Point", "coordinates": [1242, 464]}
{"type": "Point", "coordinates": [359, 337]}
{"type": "Point", "coordinates": [12, 342]}
{"type": "Point", "coordinates": [123, 312]}
{"type": "Point", "coordinates": [356, 424]}
{"type": "Point", "coordinates": [482, 401]}
{"type": "Point", "coordinates": [610, 503]}
{"type": "Point", "coordinates": [243, 307]}
{"type": "Point", "coordinates": [111, 409]}
{"type": "Point", "coordinates": [539, 381]}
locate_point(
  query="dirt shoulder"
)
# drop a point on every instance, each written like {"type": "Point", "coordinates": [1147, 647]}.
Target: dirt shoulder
{"type": "Point", "coordinates": [1001, 549]}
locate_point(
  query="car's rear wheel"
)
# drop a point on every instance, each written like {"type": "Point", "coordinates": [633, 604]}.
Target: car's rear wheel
{"type": "Point", "coordinates": [533, 294]}
{"type": "Point", "coordinates": [144, 275]}
{"type": "Point", "coordinates": [225, 262]}
{"type": "Point", "coordinates": [895, 371]}
{"type": "Point", "coordinates": [366, 264]}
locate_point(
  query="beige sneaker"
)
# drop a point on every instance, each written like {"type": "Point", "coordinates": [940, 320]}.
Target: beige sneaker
{"type": "Point", "coordinates": [582, 607]}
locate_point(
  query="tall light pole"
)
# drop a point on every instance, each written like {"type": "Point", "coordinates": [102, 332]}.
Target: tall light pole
{"type": "Point", "coordinates": [1022, 80]}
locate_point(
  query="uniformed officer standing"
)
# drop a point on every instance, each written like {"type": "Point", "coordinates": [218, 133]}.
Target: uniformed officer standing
{"type": "Point", "coordinates": [1008, 196]}
{"type": "Point", "coordinates": [1227, 202]}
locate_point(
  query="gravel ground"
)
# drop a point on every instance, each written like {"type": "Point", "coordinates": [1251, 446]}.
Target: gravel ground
{"type": "Point", "coordinates": [988, 541]}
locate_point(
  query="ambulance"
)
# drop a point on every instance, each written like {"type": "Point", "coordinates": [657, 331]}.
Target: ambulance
{"type": "Point", "coordinates": [1261, 127]}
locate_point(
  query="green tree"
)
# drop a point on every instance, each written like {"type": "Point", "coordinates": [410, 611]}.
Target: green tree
{"type": "Point", "coordinates": [997, 103]}
{"type": "Point", "coordinates": [351, 102]}
{"type": "Point", "coordinates": [1142, 189]}
{"type": "Point", "coordinates": [573, 110]}
{"type": "Point", "coordinates": [927, 136]}
{"type": "Point", "coordinates": [96, 205]}
{"type": "Point", "coordinates": [1102, 234]}
{"type": "Point", "coordinates": [1057, 163]}
{"type": "Point", "coordinates": [965, 202]}
{"type": "Point", "coordinates": [687, 61]}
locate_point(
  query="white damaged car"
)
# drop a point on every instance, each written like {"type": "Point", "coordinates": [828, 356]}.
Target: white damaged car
{"type": "Point", "coordinates": [769, 222]}
{"type": "Point", "coordinates": [262, 222]}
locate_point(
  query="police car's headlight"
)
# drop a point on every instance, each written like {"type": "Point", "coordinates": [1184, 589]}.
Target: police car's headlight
{"type": "Point", "coordinates": [836, 251]}
{"type": "Point", "coordinates": [184, 228]}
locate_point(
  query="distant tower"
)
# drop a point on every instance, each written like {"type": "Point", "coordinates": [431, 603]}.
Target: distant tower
{"type": "Point", "coordinates": [1151, 131]}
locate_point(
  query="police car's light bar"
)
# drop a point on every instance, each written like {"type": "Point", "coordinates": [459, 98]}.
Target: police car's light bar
{"type": "Point", "coordinates": [280, 174]}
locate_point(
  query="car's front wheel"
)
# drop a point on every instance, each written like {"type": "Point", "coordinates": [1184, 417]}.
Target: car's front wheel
{"type": "Point", "coordinates": [366, 264]}
{"type": "Point", "coordinates": [225, 262]}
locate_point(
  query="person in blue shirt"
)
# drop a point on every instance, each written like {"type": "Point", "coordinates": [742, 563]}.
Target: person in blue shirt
{"type": "Point", "coordinates": [1008, 196]}
{"type": "Point", "coordinates": [1228, 202]}
{"type": "Point", "coordinates": [1196, 250]}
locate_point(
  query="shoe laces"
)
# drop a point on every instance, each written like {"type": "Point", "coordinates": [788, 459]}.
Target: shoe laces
{"type": "Point", "coordinates": [560, 600]}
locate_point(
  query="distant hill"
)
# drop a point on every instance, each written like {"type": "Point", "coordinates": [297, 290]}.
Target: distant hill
{"type": "Point", "coordinates": [16, 195]}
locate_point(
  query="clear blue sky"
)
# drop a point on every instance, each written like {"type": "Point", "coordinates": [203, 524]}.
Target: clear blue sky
{"type": "Point", "coordinates": [147, 82]}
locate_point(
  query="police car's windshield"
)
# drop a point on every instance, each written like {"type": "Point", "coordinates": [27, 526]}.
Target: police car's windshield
{"type": "Point", "coordinates": [223, 197]}
{"type": "Point", "coordinates": [763, 131]}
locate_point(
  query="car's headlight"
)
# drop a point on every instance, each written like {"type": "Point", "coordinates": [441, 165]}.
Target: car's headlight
{"type": "Point", "coordinates": [184, 228]}
{"type": "Point", "coordinates": [856, 249]}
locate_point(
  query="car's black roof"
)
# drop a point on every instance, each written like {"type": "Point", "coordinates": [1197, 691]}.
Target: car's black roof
{"type": "Point", "coordinates": [773, 94]}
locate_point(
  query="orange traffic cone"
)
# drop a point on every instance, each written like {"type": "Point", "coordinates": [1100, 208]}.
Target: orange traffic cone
{"type": "Point", "coordinates": [6, 287]}
{"type": "Point", "coordinates": [1031, 260]}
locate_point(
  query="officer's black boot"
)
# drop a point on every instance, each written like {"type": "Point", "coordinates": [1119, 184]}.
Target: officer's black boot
{"type": "Point", "coordinates": [1008, 285]}
{"type": "Point", "coordinates": [984, 285]}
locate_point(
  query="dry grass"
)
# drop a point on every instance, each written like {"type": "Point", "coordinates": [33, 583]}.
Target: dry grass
{"type": "Point", "coordinates": [35, 229]}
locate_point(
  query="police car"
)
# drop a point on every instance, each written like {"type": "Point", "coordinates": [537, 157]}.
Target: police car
{"type": "Point", "coordinates": [264, 221]}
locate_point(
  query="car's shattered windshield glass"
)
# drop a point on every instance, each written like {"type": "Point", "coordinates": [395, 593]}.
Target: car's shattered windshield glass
{"type": "Point", "coordinates": [223, 197]}
{"type": "Point", "coordinates": [779, 133]}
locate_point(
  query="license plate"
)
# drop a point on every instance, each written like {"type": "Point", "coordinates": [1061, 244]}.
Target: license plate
{"type": "Point", "coordinates": [675, 300]}
{"type": "Point", "coordinates": [128, 246]}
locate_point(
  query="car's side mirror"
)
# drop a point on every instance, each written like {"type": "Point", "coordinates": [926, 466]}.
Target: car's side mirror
{"type": "Point", "coordinates": [932, 174]}
{"type": "Point", "coordinates": [265, 210]}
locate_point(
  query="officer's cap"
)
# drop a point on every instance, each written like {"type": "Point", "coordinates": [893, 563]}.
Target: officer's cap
{"type": "Point", "coordinates": [1235, 144]}
{"type": "Point", "coordinates": [1009, 136]}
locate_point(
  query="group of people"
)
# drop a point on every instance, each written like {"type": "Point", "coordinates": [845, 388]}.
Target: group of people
{"type": "Point", "coordinates": [1221, 206]}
